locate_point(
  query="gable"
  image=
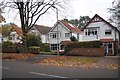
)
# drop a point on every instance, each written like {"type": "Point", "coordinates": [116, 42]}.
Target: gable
{"type": "Point", "coordinates": [60, 27]}
{"type": "Point", "coordinates": [69, 27]}
{"type": "Point", "coordinates": [96, 19]}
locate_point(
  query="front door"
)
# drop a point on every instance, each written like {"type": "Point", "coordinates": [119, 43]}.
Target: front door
{"type": "Point", "coordinates": [108, 48]}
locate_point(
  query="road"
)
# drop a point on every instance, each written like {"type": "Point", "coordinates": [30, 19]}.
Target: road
{"type": "Point", "coordinates": [17, 69]}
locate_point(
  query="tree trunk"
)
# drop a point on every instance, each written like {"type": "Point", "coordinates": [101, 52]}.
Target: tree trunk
{"type": "Point", "coordinates": [24, 43]}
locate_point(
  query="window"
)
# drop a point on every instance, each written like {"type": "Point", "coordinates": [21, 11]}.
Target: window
{"type": "Point", "coordinates": [53, 35]}
{"type": "Point", "coordinates": [91, 31]}
{"type": "Point", "coordinates": [108, 32]}
{"type": "Point", "coordinates": [78, 36]}
{"type": "Point", "coordinates": [13, 36]}
{"type": "Point", "coordinates": [10, 37]}
{"type": "Point", "coordinates": [67, 35]}
{"type": "Point", "coordinates": [54, 46]}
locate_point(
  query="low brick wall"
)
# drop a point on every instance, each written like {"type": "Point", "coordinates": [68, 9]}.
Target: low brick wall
{"type": "Point", "coordinates": [98, 52]}
{"type": "Point", "coordinates": [9, 50]}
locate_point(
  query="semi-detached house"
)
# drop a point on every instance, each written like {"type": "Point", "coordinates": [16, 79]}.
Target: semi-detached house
{"type": "Point", "coordinates": [98, 29]}
{"type": "Point", "coordinates": [62, 31]}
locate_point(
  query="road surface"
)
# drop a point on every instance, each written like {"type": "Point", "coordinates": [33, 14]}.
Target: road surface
{"type": "Point", "coordinates": [17, 69]}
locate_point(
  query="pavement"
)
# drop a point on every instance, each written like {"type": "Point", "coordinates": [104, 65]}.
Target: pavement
{"type": "Point", "coordinates": [18, 69]}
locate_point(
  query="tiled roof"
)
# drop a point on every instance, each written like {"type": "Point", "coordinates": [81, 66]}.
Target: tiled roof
{"type": "Point", "coordinates": [106, 40]}
{"type": "Point", "coordinates": [43, 29]}
{"type": "Point", "coordinates": [71, 27]}
{"type": "Point", "coordinates": [18, 30]}
{"type": "Point", "coordinates": [66, 42]}
{"type": "Point", "coordinates": [96, 15]}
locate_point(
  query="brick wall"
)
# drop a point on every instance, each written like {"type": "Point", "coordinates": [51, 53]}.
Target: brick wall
{"type": "Point", "coordinates": [9, 50]}
{"type": "Point", "coordinates": [87, 52]}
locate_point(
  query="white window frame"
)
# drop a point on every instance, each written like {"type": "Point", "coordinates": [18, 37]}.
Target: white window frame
{"type": "Point", "coordinates": [67, 35]}
{"type": "Point", "coordinates": [91, 31]}
{"type": "Point", "coordinates": [54, 47]}
{"type": "Point", "coordinates": [108, 30]}
{"type": "Point", "coordinates": [53, 35]}
{"type": "Point", "coordinates": [78, 36]}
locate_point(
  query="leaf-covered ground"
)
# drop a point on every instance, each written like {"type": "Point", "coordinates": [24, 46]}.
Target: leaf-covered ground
{"type": "Point", "coordinates": [84, 62]}
{"type": "Point", "coordinates": [68, 61]}
{"type": "Point", "coordinates": [15, 56]}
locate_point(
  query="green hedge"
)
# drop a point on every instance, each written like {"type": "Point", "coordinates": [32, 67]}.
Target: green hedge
{"type": "Point", "coordinates": [47, 53]}
{"type": "Point", "coordinates": [8, 44]}
{"type": "Point", "coordinates": [90, 44]}
{"type": "Point", "coordinates": [34, 49]}
{"type": "Point", "coordinates": [45, 47]}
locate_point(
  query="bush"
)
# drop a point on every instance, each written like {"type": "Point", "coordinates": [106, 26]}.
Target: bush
{"type": "Point", "coordinates": [8, 44]}
{"type": "Point", "coordinates": [33, 40]}
{"type": "Point", "coordinates": [45, 48]}
{"type": "Point", "coordinates": [72, 38]}
{"type": "Point", "coordinates": [90, 44]}
{"type": "Point", "coordinates": [48, 53]}
{"type": "Point", "coordinates": [34, 49]}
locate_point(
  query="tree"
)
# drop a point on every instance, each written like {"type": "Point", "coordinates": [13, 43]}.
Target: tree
{"type": "Point", "coordinates": [2, 19]}
{"type": "Point", "coordinates": [115, 13]}
{"type": "Point", "coordinates": [83, 21]}
{"type": "Point", "coordinates": [79, 23]}
{"type": "Point", "coordinates": [30, 11]}
{"type": "Point", "coordinates": [115, 17]}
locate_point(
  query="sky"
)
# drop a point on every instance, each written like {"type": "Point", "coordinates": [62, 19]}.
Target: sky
{"type": "Point", "coordinates": [74, 9]}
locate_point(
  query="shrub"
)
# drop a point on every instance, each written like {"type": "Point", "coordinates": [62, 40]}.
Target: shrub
{"type": "Point", "coordinates": [33, 40]}
{"type": "Point", "coordinates": [34, 49]}
{"type": "Point", "coordinates": [72, 38]}
{"type": "Point", "coordinates": [45, 48]}
{"type": "Point", "coordinates": [8, 44]}
{"type": "Point", "coordinates": [48, 53]}
{"type": "Point", "coordinates": [90, 44]}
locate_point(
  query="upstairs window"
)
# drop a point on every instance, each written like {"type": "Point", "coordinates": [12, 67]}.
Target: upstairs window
{"type": "Point", "coordinates": [67, 35]}
{"type": "Point", "coordinates": [89, 32]}
{"type": "Point", "coordinates": [53, 35]}
{"type": "Point", "coordinates": [108, 32]}
{"type": "Point", "coordinates": [78, 36]}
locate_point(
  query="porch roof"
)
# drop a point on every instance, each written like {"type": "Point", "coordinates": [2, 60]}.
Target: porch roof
{"type": "Point", "coordinates": [107, 40]}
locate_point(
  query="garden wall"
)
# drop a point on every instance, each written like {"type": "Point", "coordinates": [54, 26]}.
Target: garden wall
{"type": "Point", "coordinates": [9, 50]}
{"type": "Point", "coordinates": [97, 52]}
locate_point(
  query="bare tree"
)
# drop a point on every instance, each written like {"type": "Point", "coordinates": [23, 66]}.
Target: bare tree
{"type": "Point", "coordinates": [115, 13]}
{"type": "Point", "coordinates": [31, 10]}
{"type": "Point", "coordinates": [2, 19]}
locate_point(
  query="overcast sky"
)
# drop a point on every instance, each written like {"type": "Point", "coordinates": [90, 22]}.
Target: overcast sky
{"type": "Point", "coordinates": [75, 9]}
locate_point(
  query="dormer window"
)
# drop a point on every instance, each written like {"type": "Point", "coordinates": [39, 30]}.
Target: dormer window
{"type": "Point", "coordinates": [108, 32]}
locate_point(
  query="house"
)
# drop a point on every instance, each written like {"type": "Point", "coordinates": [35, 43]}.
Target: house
{"type": "Point", "coordinates": [62, 31]}
{"type": "Point", "coordinates": [99, 29]}
{"type": "Point", "coordinates": [14, 34]}
{"type": "Point", "coordinates": [42, 31]}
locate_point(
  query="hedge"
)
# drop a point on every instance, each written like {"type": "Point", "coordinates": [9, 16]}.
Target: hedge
{"type": "Point", "coordinates": [34, 49]}
{"type": "Point", "coordinates": [88, 44]}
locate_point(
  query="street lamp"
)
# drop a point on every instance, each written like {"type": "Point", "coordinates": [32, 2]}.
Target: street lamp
{"type": "Point", "coordinates": [57, 31]}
